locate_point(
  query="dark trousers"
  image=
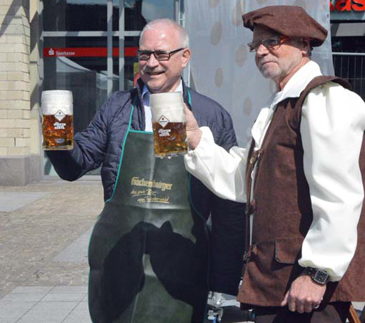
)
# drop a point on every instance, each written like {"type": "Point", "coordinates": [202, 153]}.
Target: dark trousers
{"type": "Point", "coordinates": [327, 313]}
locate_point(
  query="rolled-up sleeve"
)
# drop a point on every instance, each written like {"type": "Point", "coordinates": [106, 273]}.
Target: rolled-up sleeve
{"type": "Point", "coordinates": [332, 129]}
{"type": "Point", "coordinates": [221, 171]}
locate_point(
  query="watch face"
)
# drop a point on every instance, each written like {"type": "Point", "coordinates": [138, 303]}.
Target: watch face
{"type": "Point", "coordinates": [320, 277]}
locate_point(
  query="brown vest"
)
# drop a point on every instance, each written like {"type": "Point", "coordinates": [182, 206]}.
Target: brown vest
{"type": "Point", "coordinates": [283, 213]}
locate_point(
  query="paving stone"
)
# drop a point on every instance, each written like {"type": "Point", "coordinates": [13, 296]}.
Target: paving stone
{"type": "Point", "coordinates": [11, 201]}
{"type": "Point", "coordinates": [79, 315]}
{"type": "Point", "coordinates": [63, 297]}
{"type": "Point", "coordinates": [69, 290]}
{"type": "Point", "coordinates": [48, 312]}
{"type": "Point", "coordinates": [23, 297]}
{"type": "Point", "coordinates": [76, 251]}
{"type": "Point", "coordinates": [32, 290]}
{"type": "Point", "coordinates": [14, 310]}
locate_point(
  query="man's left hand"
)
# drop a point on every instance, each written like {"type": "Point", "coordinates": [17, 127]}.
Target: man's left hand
{"type": "Point", "coordinates": [304, 295]}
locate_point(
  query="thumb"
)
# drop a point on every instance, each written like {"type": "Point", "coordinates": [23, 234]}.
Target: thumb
{"type": "Point", "coordinates": [192, 129]}
{"type": "Point", "coordinates": [191, 123]}
{"type": "Point", "coordinates": [285, 300]}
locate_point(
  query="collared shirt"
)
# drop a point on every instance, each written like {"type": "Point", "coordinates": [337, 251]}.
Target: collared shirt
{"type": "Point", "coordinates": [332, 119]}
{"type": "Point", "coordinates": [147, 107]}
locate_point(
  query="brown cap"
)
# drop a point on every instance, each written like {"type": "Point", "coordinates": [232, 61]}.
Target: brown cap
{"type": "Point", "coordinates": [291, 21]}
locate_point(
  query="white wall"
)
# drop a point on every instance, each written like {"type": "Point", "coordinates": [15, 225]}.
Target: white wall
{"type": "Point", "coordinates": [223, 68]}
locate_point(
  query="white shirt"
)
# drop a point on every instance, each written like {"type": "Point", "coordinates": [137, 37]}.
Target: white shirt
{"type": "Point", "coordinates": [332, 128]}
{"type": "Point", "coordinates": [147, 107]}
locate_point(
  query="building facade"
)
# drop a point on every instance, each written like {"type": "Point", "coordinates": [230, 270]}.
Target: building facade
{"type": "Point", "coordinates": [89, 47]}
{"type": "Point", "coordinates": [19, 122]}
{"type": "Point", "coordinates": [68, 44]}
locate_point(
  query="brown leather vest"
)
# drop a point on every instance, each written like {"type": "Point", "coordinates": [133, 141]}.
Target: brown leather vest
{"type": "Point", "coordinates": [283, 213]}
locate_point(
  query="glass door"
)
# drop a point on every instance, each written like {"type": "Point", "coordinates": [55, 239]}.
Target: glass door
{"type": "Point", "coordinates": [89, 47]}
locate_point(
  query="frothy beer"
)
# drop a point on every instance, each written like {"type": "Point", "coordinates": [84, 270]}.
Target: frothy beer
{"type": "Point", "coordinates": [170, 140]}
{"type": "Point", "coordinates": [169, 128]}
{"type": "Point", "coordinates": [57, 124]}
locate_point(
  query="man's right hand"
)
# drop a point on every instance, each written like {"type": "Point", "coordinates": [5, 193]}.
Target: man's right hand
{"type": "Point", "coordinates": [193, 132]}
{"type": "Point", "coordinates": [304, 295]}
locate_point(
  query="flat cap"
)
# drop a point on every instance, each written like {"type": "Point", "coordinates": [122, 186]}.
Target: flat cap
{"type": "Point", "coordinates": [291, 21]}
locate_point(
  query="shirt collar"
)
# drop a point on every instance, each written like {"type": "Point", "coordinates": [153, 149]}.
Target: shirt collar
{"type": "Point", "coordinates": [146, 93]}
{"type": "Point", "coordinates": [293, 88]}
{"type": "Point", "coordinates": [298, 82]}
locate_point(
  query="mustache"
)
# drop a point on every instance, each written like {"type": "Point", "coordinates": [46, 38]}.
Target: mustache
{"type": "Point", "coordinates": [153, 71]}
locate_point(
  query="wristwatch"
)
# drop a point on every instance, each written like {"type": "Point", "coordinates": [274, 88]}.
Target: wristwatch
{"type": "Point", "coordinates": [318, 275]}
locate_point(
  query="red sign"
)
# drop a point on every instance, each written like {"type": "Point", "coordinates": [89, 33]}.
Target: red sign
{"type": "Point", "coordinates": [87, 52]}
{"type": "Point", "coordinates": [348, 5]}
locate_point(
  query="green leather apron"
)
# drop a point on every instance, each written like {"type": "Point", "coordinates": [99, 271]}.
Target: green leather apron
{"type": "Point", "coordinates": [148, 252]}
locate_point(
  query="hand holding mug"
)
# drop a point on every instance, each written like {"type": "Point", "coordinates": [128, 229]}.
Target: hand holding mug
{"type": "Point", "coordinates": [193, 132]}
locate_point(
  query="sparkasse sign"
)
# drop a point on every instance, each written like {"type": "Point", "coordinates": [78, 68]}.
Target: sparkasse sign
{"type": "Point", "coordinates": [347, 10]}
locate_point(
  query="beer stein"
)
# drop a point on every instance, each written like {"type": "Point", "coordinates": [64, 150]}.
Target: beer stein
{"type": "Point", "coordinates": [57, 123]}
{"type": "Point", "coordinates": [169, 127]}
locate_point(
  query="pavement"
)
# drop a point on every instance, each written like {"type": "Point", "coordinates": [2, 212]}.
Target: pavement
{"type": "Point", "coordinates": [44, 234]}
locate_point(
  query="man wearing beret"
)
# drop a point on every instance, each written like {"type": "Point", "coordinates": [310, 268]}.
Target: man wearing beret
{"type": "Point", "coordinates": [303, 177]}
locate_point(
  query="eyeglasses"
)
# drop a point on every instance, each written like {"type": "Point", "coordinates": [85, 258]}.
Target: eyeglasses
{"type": "Point", "coordinates": [268, 43]}
{"type": "Point", "coordinates": [160, 55]}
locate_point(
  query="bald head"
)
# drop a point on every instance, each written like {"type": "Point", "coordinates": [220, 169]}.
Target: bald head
{"type": "Point", "coordinates": [163, 36]}
{"type": "Point", "coordinates": [167, 24]}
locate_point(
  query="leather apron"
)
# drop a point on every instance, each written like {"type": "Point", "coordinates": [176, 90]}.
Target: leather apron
{"type": "Point", "coordinates": [149, 251]}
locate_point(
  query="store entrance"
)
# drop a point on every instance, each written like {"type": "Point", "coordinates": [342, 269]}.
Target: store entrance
{"type": "Point", "coordinates": [89, 47]}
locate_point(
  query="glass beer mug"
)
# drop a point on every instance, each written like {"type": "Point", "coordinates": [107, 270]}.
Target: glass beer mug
{"type": "Point", "coordinates": [169, 127]}
{"type": "Point", "coordinates": [57, 123]}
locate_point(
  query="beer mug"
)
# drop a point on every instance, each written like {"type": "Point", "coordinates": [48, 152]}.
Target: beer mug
{"type": "Point", "coordinates": [168, 122]}
{"type": "Point", "coordinates": [57, 123]}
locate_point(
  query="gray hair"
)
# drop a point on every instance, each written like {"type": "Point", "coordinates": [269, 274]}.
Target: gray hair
{"type": "Point", "coordinates": [299, 42]}
{"type": "Point", "coordinates": [184, 37]}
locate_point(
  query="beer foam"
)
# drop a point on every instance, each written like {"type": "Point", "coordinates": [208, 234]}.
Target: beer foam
{"type": "Point", "coordinates": [169, 105]}
{"type": "Point", "coordinates": [56, 100]}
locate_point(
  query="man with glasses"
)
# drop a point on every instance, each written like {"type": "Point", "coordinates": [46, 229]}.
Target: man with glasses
{"type": "Point", "coordinates": [149, 260]}
{"type": "Point", "coordinates": [302, 178]}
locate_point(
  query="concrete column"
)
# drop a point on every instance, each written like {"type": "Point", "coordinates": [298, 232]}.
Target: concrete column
{"type": "Point", "coordinates": [19, 124]}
